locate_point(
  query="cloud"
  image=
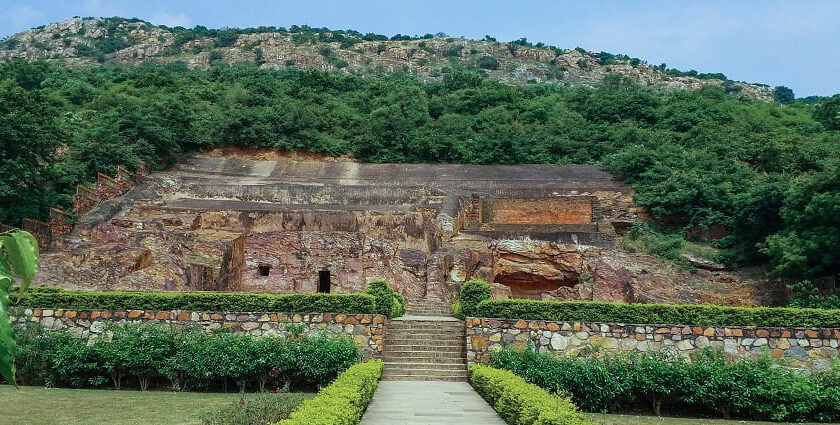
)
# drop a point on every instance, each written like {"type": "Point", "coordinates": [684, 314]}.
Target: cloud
{"type": "Point", "coordinates": [171, 20]}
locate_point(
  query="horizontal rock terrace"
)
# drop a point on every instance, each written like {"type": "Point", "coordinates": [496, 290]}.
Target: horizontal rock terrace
{"type": "Point", "coordinates": [287, 225]}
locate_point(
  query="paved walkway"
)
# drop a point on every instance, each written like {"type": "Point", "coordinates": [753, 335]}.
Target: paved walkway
{"type": "Point", "coordinates": [428, 403]}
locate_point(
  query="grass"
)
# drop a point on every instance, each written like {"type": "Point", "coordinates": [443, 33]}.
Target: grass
{"type": "Point", "coordinates": [611, 419]}
{"type": "Point", "coordinates": [50, 406]}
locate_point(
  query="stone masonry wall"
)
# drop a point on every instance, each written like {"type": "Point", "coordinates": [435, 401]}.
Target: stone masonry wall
{"type": "Point", "coordinates": [810, 348]}
{"type": "Point", "coordinates": [556, 210]}
{"type": "Point", "coordinates": [366, 330]}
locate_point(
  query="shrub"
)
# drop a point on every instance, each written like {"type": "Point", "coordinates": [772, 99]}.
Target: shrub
{"type": "Point", "coordinates": [672, 314]}
{"type": "Point", "coordinates": [255, 410]}
{"type": "Point", "coordinates": [805, 295]}
{"type": "Point", "coordinates": [488, 62]}
{"type": "Point", "coordinates": [386, 300]}
{"type": "Point", "coordinates": [189, 359]}
{"type": "Point", "coordinates": [72, 362]}
{"type": "Point", "coordinates": [595, 384]}
{"type": "Point", "coordinates": [199, 301]}
{"type": "Point", "coordinates": [136, 350]}
{"type": "Point", "coordinates": [752, 388]}
{"type": "Point", "coordinates": [519, 402]}
{"type": "Point", "coordinates": [343, 401]}
{"type": "Point", "coordinates": [226, 38]}
{"type": "Point", "coordinates": [472, 294]}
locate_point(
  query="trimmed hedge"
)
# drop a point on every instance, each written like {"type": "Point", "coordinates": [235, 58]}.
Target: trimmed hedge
{"type": "Point", "coordinates": [755, 389]}
{"type": "Point", "coordinates": [671, 314]}
{"type": "Point", "coordinates": [521, 403]}
{"type": "Point", "coordinates": [472, 294]}
{"type": "Point", "coordinates": [198, 301]}
{"type": "Point", "coordinates": [387, 301]}
{"type": "Point", "coordinates": [344, 401]}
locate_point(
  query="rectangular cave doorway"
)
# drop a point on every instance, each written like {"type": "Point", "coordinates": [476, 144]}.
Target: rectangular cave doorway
{"type": "Point", "coordinates": [324, 281]}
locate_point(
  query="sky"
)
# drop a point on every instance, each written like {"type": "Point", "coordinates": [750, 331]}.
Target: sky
{"type": "Point", "coordinates": [790, 43]}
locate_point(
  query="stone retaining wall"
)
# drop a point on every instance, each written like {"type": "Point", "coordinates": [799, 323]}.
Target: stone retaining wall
{"type": "Point", "coordinates": [366, 330]}
{"type": "Point", "coordinates": [811, 348]}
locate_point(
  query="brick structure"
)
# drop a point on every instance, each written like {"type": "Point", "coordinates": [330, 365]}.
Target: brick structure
{"type": "Point", "coordinates": [366, 330]}
{"type": "Point", "coordinates": [807, 348]}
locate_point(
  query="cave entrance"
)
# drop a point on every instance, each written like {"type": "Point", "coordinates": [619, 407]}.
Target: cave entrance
{"type": "Point", "coordinates": [532, 286]}
{"type": "Point", "coordinates": [324, 281]}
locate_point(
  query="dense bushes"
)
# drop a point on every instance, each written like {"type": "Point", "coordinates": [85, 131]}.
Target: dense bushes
{"type": "Point", "coordinates": [671, 314]}
{"type": "Point", "coordinates": [472, 293]}
{"type": "Point", "coordinates": [694, 157]}
{"type": "Point", "coordinates": [746, 388]}
{"type": "Point", "coordinates": [187, 359]}
{"type": "Point", "coordinates": [521, 403]}
{"type": "Point", "coordinates": [344, 401]}
{"type": "Point", "coordinates": [387, 301]}
{"type": "Point", "coordinates": [199, 301]}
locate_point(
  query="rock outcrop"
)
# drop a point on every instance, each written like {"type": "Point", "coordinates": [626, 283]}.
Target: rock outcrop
{"type": "Point", "coordinates": [301, 225]}
{"type": "Point", "coordinates": [79, 42]}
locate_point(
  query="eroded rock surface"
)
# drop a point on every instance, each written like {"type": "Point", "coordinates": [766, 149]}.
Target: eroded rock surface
{"type": "Point", "coordinates": [303, 225]}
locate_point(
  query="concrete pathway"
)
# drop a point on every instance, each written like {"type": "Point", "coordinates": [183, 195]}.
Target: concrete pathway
{"type": "Point", "coordinates": [428, 403]}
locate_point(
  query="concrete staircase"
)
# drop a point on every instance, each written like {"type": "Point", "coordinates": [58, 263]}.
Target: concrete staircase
{"type": "Point", "coordinates": [427, 344]}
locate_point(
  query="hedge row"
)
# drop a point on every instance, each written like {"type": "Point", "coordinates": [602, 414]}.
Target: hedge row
{"type": "Point", "coordinates": [344, 401]}
{"type": "Point", "coordinates": [745, 388]}
{"type": "Point", "coordinates": [519, 402]}
{"type": "Point", "coordinates": [672, 314]}
{"type": "Point", "coordinates": [199, 301]}
{"type": "Point", "coordinates": [192, 359]}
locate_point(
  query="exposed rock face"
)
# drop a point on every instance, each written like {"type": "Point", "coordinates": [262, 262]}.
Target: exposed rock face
{"type": "Point", "coordinates": [282, 225]}
{"type": "Point", "coordinates": [74, 41]}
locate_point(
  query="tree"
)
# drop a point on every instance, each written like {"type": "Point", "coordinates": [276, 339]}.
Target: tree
{"type": "Point", "coordinates": [18, 262]}
{"type": "Point", "coordinates": [828, 112]}
{"type": "Point", "coordinates": [783, 95]}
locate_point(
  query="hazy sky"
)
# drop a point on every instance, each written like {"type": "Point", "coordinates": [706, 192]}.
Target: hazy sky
{"type": "Point", "coordinates": [792, 43]}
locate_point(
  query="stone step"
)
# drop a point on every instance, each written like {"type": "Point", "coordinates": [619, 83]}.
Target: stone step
{"type": "Point", "coordinates": [422, 375]}
{"type": "Point", "coordinates": [416, 357]}
{"type": "Point", "coordinates": [425, 347]}
{"type": "Point", "coordinates": [454, 378]}
{"type": "Point", "coordinates": [456, 365]}
{"type": "Point", "coordinates": [408, 336]}
{"type": "Point", "coordinates": [421, 341]}
{"type": "Point", "coordinates": [420, 325]}
{"type": "Point", "coordinates": [387, 373]}
{"type": "Point", "coordinates": [426, 331]}
{"type": "Point", "coordinates": [428, 312]}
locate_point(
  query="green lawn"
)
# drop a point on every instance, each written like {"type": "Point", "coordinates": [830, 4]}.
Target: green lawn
{"type": "Point", "coordinates": [651, 420]}
{"type": "Point", "coordinates": [51, 406]}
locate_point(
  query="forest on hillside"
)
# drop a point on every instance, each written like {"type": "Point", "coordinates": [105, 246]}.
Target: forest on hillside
{"type": "Point", "coordinates": [768, 171]}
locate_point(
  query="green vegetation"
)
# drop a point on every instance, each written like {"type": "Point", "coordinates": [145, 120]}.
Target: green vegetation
{"type": "Point", "coordinates": [74, 406]}
{"type": "Point", "coordinates": [806, 295]}
{"type": "Point", "coordinates": [473, 292]}
{"type": "Point", "coordinates": [258, 409]}
{"type": "Point", "coordinates": [671, 314]}
{"type": "Point", "coordinates": [387, 301]}
{"type": "Point", "coordinates": [756, 389]}
{"type": "Point", "coordinates": [45, 297]}
{"type": "Point", "coordinates": [18, 258]}
{"type": "Point", "coordinates": [767, 172]}
{"type": "Point", "coordinates": [344, 401]}
{"type": "Point", "coordinates": [635, 419]}
{"type": "Point", "coordinates": [519, 402]}
{"type": "Point", "coordinates": [181, 360]}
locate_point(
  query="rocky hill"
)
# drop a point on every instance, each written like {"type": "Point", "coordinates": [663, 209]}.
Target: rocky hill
{"type": "Point", "coordinates": [91, 41]}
